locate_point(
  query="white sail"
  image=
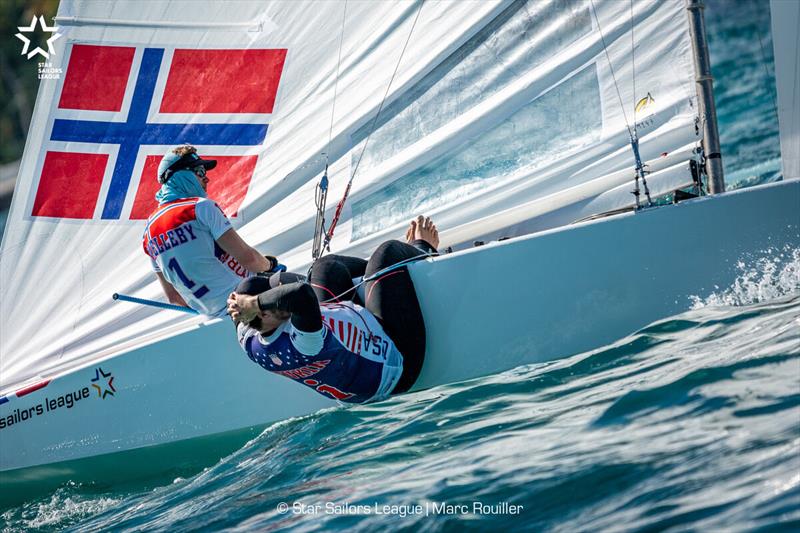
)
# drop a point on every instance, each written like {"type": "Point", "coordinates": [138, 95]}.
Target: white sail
{"type": "Point", "coordinates": [493, 107]}
{"type": "Point", "coordinates": [785, 24]}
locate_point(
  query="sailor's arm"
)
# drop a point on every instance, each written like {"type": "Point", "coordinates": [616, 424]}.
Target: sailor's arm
{"type": "Point", "coordinates": [245, 255]}
{"type": "Point", "coordinates": [172, 295]}
{"type": "Point", "coordinates": [211, 216]}
{"type": "Point", "coordinates": [298, 299]}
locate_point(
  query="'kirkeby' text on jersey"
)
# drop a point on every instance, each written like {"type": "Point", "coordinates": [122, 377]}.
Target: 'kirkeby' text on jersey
{"type": "Point", "coordinates": [180, 239]}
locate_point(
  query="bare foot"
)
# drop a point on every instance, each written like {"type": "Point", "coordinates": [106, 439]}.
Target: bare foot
{"type": "Point", "coordinates": [423, 228]}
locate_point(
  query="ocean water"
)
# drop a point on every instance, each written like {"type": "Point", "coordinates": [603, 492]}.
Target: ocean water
{"type": "Point", "coordinates": [692, 423]}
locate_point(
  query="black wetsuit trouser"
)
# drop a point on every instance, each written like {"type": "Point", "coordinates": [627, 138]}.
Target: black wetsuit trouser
{"type": "Point", "coordinates": [390, 297]}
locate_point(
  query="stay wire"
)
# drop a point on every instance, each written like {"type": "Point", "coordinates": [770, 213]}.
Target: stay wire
{"type": "Point", "coordinates": [336, 82]}
{"type": "Point", "coordinates": [633, 135]}
{"type": "Point", "coordinates": [611, 68]}
{"type": "Point", "coordinates": [321, 192]}
{"type": "Point", "coordinates": [633, 71]}
{"type": "Point", "coordinates": [388, 87]}
{"type": "Point", "coordinates": [766, 70]}
{"type": "Point", "coordinates": [796, 77]}
{"type": "Point", "coordinates": [337, 215]}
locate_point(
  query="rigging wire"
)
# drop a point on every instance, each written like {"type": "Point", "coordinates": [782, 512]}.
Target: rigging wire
{"type": "Point", "coordinates": [388, 87]}
{"type": "Point", "coordinates": [329, 233]}
{"type": "Point", "coordinates": [320, 200]}
{"type": "Point", "coordinates": [634, 139]}
{"type": "Point", "coordinates": [796, 78]}
{"type": "Point", "coordinates": [336, 82]}
{"type": "Point", "coordinates": [633, 71]}
{"type": "Point", "coordinates": [766, 70]}
{"type": "Point", "coordinates": [321, 192]}
{"type": "Point", "coordinates": [611, 68]}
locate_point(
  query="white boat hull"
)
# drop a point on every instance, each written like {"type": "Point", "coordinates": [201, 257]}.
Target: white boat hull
{"type": "Point", "coordinates": [487, 309]}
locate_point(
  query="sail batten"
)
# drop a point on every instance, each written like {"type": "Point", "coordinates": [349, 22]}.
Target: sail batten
{"type": "Point", "coordinates": [208, 26]}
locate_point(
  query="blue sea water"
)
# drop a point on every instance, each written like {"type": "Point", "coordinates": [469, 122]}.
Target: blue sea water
{"type": "Point", "coordinates": [692, 423]}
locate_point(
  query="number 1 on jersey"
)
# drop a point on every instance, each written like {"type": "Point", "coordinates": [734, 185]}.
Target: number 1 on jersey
{"type": "Point", "coordinates": [175, 267]}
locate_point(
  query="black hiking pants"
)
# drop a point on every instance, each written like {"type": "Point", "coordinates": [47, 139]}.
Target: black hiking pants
{"type": "Point", "coordinates": [390, 297]}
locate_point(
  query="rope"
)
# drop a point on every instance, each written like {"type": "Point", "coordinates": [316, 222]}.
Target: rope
{"type": "Point", "coordinates": [340, 206]}
{"type": "Point", "coordinates": [376, 275]}
{"type": "Point", "coordinates": [366, 299]}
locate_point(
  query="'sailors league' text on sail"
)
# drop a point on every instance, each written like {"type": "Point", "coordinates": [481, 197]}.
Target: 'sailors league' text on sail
{"type": "Point", "coordinates": [126, 103]}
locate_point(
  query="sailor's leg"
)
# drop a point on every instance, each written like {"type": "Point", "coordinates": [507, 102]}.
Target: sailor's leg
{"type": "Point", "coordinates": [391, 298]}
{"type": "Point", "coordinates": [282, 278]}
{"type": "Point", "coordinates": [355, 265]}
{"type": "Point", "coordinates": [332, 277]}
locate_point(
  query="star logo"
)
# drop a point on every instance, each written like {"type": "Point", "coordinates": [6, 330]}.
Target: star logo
{"type": "Point", "coordinates": [26, 42]}
{"type": "Point", "coordinates": [103, 382]}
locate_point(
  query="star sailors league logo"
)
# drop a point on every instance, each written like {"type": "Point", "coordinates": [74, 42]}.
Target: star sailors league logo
{"type": "Point", "coordinates": [26, 41]}
{"type": "Point", "coordinates": [118, 109]}
{"type": "Point", "coordinates": [103, 383]}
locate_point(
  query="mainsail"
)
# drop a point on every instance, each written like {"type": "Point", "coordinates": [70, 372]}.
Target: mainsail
{"type": "Point", "coordinates": [785, 21]}
{"type": "Point", "coordinates": [501, 118]}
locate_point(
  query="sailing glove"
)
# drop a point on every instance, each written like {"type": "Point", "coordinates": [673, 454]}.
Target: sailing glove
{"type": "Point", "coordinates": [275, 266]}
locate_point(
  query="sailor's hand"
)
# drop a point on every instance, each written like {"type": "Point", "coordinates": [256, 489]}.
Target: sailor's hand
{"type": "Point", "coordinates": [274, 266]}
{"type": "Point", "coordinates": [242, 308]}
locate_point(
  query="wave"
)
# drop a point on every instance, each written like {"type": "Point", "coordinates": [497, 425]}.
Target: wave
{"type": "Point", "coordinates": [773, 275]}
{"type": "Point", "coordinates": [689, 423]}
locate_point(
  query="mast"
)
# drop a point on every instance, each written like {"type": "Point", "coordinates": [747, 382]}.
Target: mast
{"type": "Point", "coordinates": [704, 84]}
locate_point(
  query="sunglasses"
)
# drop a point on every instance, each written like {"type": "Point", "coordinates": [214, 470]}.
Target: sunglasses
{"type": "Point", "coordinates": [200, 171]}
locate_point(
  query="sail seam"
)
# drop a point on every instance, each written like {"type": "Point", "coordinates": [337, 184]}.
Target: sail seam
{"type": "Point", "coordinates": [77, 21]}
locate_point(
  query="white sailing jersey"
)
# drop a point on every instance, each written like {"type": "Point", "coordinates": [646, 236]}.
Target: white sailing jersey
{"type": "Point", "coordinates": [180, 239]}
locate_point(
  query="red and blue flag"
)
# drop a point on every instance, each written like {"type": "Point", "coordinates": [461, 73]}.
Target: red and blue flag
{"type": "Point", "coordinates": [123, 107]}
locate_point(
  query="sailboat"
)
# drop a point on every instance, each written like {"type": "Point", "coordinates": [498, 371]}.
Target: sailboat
{"type": "Point", "coordinates": [541, 136]}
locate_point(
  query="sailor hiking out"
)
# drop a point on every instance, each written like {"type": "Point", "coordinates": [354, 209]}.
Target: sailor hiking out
{"type": "Point", "coordinates": [326, 335]}
{"type": "Point", "coordinates": [196, 254]}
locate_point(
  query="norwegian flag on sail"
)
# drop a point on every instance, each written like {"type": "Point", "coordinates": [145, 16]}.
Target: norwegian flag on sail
{"type": "Point", "coordinates": [125, 105]}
